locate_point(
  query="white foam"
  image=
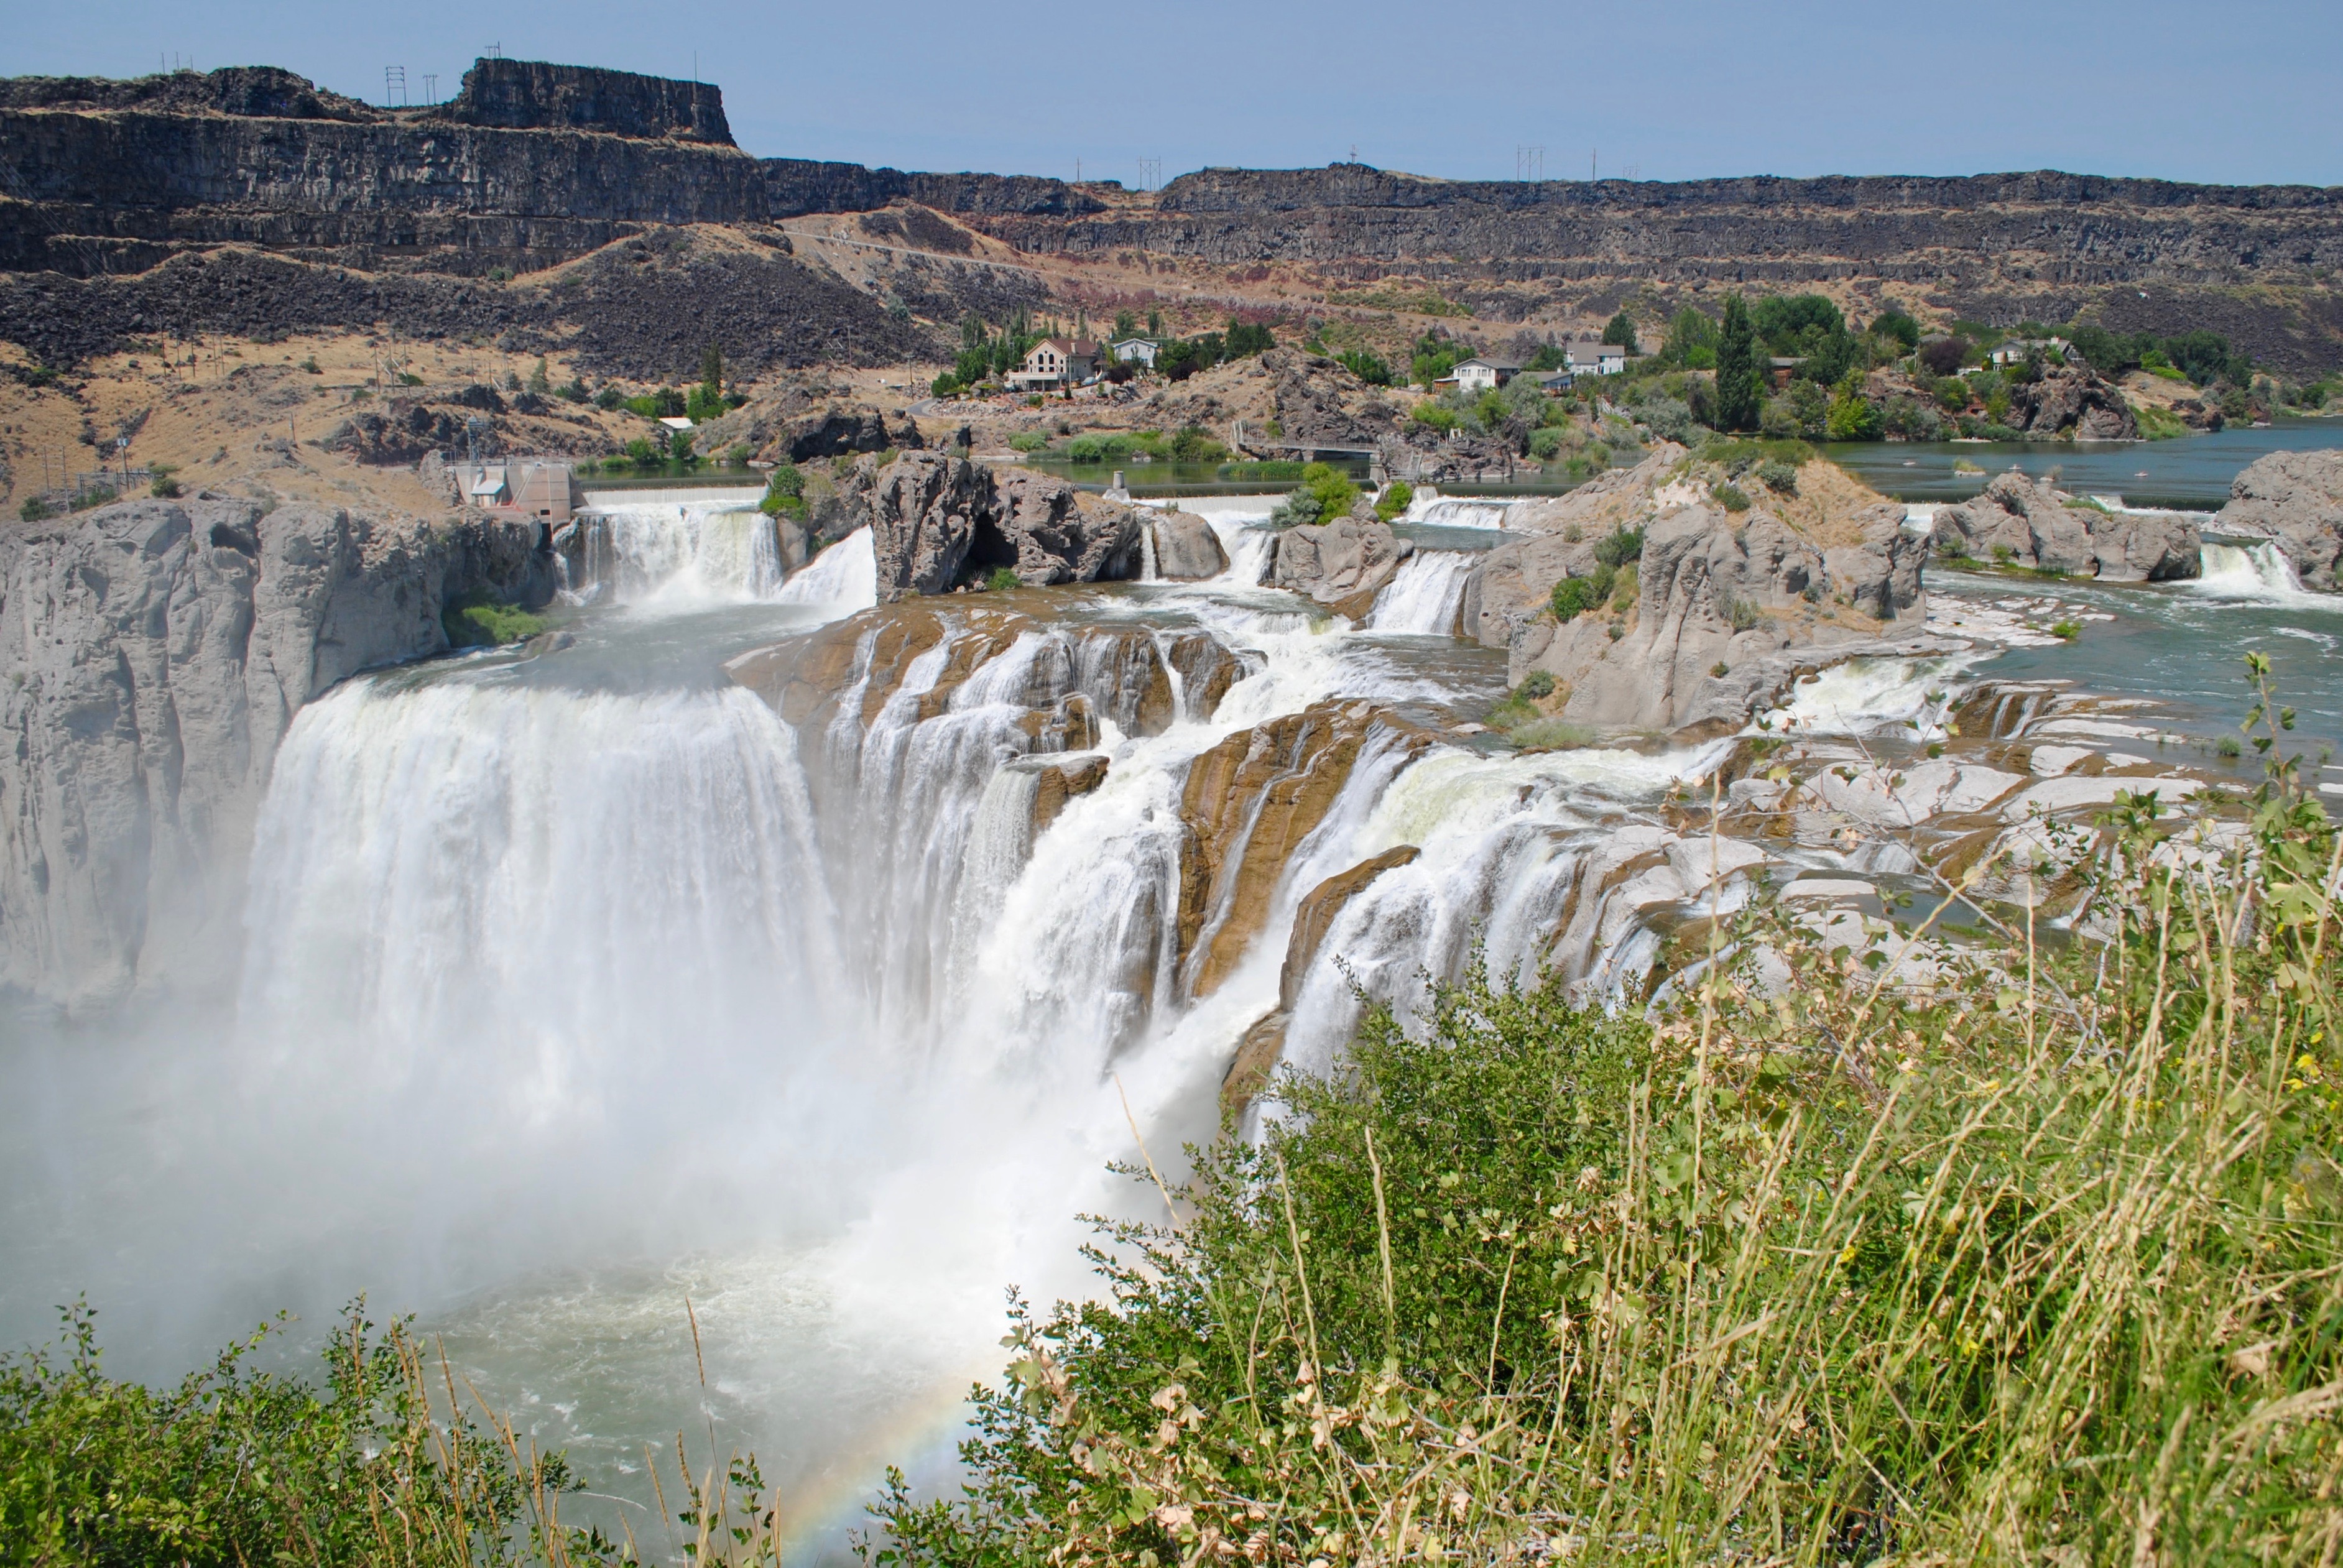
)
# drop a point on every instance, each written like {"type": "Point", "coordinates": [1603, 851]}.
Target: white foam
{"type": "Point", "coordinates": [2257, 573]}
{"type": "Point", "coordinates": [842, 579]}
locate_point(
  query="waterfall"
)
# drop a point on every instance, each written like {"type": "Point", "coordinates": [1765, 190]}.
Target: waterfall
{"type": "Point", "coordinates": [2259, 571]}
{"type": "Point", "coordinates": [679, 552]}
{"type": "Point", "coordinates": [1433, 509]}
{"type": "Point", "coordinates": [1426, 595]}
{"type": "Point", "coordinates": [1147, 568]}
{"type": "Point", "coordinates": [845, 577]}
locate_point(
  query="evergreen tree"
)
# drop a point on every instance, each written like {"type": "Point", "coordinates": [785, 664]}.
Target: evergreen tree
{"type": "Point", "coordinates": [1740, 384]}
{"type": "Point", "coordinates": [1620, 330]}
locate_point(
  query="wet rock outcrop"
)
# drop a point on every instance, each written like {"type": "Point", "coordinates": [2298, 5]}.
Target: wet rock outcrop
{"type": "Point", "coordinates": [163, 649]}
{"type": "Point", "coordinates": [1186, 548]}
{"type": "Point", "coordinates": [2028, 522]}
{"type": "Point", "coordinates": [1245, 808]}
{"type": "Point", "coordinates": [2295, 499]}
{"type": "Point", "coordinates": [1340, 564]}
{"type": "Point", "coordinates": [937, 521]}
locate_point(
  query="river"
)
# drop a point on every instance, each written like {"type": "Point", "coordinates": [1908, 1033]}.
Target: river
{"type": "Point", "coordinates": [571, 987]}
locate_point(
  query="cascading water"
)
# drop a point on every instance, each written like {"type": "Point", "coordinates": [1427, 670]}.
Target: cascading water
{"type": "Point", "coordinates": [1435, 510]}
{"type": "Point", "coordinates": [674, 552]}
{"type": "Point", "coordinates": [843, 577]}
{"type": "Point", "coordinates": [1426, 595]}
{"type": "Point", "coordinates": [2259, 571]}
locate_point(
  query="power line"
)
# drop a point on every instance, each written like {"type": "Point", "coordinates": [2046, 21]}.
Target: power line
{"type": "Point", "coordinates": [1529, 163]}
{"type": "Point", "coordinates": [394, 84]}
{"type": "Point", "coordinates": [430, 86]}
{"type": "Point", "coordinates": [1150, 172]}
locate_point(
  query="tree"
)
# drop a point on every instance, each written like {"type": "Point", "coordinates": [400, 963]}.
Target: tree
{"type": "Point", "coordinates": [1126, 323]}
{"type": "Point", "coordinates": [1945, 356]}
{"type": "Point", "coordinates": [1245, 339]}
{"type": "Point", "coordinates": [540, 380]}
{"type": "Point", "coordinates": [1853, 417]}
{"type": "Point", "coordinates": [1692, 340]}
{"type": "Point", "coordinates": [1368, 366]}
{"type": "Point", "coordinates": [1740, 383]}
{"type": "Point", "coordinates": [1620, 330]}
{"type": "Point", "coordinates": [711, 373]}
{"type": "Point", "coordinates": [1154, 324]}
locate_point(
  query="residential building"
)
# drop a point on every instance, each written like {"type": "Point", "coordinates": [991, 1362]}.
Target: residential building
{"type": "Point", "coordinates": [1056, 362]}
{"type": "Point", "coordinates": [1136, 351]}
{"type": "Point", "coordinates": [1554, 383]}
{"type": "Point", "coordinates": [2017, 349]}
{"type": "Point", "coordinates": [1585, 357]}
{"type": "Point", "coordinates": [1482, 375]}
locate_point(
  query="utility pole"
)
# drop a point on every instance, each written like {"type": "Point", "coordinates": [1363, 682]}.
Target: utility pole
{"type": "Point", "coordinates": [431, 88]}
{"type": "Point", "coordinates": [1590, 164]}
{"type": "Point", "coordinates": [394, 80]}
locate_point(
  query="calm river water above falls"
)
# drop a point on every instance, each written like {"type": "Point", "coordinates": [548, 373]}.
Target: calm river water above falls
{"type": "Point", "coordinates": [573, 986]}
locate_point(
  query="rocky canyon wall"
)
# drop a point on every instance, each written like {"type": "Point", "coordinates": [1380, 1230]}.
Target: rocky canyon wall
{"type": "Point", "coordinates": [156, 652]}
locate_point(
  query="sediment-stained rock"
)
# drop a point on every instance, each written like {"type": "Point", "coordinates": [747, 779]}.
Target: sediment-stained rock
{"type": "Point", "coordinates": [1340, 564]}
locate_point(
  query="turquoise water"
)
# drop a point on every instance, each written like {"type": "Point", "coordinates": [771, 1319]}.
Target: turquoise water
{"type": "Point", "coordinates": [2191, 472]}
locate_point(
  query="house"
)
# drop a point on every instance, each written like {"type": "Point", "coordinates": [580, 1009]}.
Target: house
{"type": "Point", "coordinates": [1552, 383]}
{"type": "Point", "coordinates": [2017, 350]}
{"type": "Point", "coordinates": [1484, 375]}
{"type": "Point", "coordinates": [1136, 351]}
{"type": "Point", "coordinates": [1055, 362]}
{"type": "Point", "coordinates": [1782, 366]}
{"type": "Point", "coordinates": [517, 487]}
{"type": "Point", "coordinates": [1585, 357]}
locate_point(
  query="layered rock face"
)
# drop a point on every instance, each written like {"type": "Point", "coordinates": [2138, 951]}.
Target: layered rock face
{"type": "Point", "coordinates": [1246, 807]}
{"type": "Point", "coordinates": [936, 520]}
{"type": "Point", "coordinates": [531, 164]}
{"type": "Point", "coordinates": [530, 95]}
{"type": "Point", "coordinates": [2297, 499]}
{"type": "Point", "coordinates": [165, 647]}
{"type": "Point", "coordinates": [2028, 523]}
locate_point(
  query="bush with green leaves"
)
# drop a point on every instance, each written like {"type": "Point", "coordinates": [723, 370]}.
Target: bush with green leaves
{"type": "Point", "coordinates": [1396, 497]}
{"type": "Point", "coordinates": [1326, 494]}
{"type": "Point", "coordinates": [1000, 579]}
{"type": "Point", "coordinates": [1194, 444]}
{"type": "Point", "coordinates": [1778, 477]}
{"type": "Point", "coordinates": [35, 510]}
{"type": "Point", "coordinates": [1732, 497]}
{"type": "Point", "coordinates": [480, 620]}
{"type": "Point", "coordinates": [1574, 595]}
{"type": "Point", "coordinates": [1368, 366]}
{"type": "Point", "coordinates": [1537, 683]}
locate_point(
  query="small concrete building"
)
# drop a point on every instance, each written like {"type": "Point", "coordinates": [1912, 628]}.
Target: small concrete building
{"type": "Point", "coordinates": [1056, 362]}
{"type": "Point", "coordinates": [517, 487]}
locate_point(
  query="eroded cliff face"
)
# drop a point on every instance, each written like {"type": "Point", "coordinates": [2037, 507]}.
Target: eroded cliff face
{"type": "Point", "coordinates": [156, 652]}
{"type": "Point", "coordinates": [2021, 521]}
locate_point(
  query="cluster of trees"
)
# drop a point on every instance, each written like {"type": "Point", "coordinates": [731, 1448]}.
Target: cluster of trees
{"type": "Point", "coordinates": [1183, 357]}
{"type": "Point", "coordinates": [2205, 357]}
{"type": "Point", "coordinates": [988, 354]}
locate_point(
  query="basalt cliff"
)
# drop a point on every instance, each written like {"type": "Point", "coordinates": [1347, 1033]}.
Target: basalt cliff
{"type": "Point", "coordinates": [533, 166]}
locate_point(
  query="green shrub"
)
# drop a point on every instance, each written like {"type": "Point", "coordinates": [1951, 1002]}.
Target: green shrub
{"type": "Point", "coordinates": [35, 510]}
{"type": "Point", "coordinates": [2067, 630]}
{"type": "Point", "coordinates": [1537, 683]}
{"type": "Point", "coordinates": [1369, 367]}
{"type": "Point", "coordinates": [1782, 478]}
{"type": "Point", "coordinates": [610, 399]}
{"type": "Point", "coordinates": [1553, 735]}
{"type": "Point", "coordinates": [947, 385]}
{"type": "Point", "coordinates": [642, 452]}
{"type": "Point", "coordinates": [409, 378]}
{"type": "Point", "coordinates": [1572, 596]}
{"type": "Point", "coordinates": [1620, 545]}
{"type": "Point", "coordinates": [1000, 579]}
{"type": "Point", "coordinates": [1439, 416]}
{"type": "Point", "coordinates": [1282, 470]}
{"type": "Point", "coordinates": [478, 620]}
{"type": "Point", "coordinates": [1396, 498]}
{"type": "Point", "coordinates": [678, 447]}
{"type": "Point", "coordinates": [1732, 497]}
{"type": "Point", "coordinates": [161, 480]}
{"type": "Point", "coordinates": [572, 391]}
{"type": "Point", "coordinates": [311, 366]}
{"type": "Point", "coordinates": [1028, 441]}
{"type": "Point", "coordinates": [1547, 440]}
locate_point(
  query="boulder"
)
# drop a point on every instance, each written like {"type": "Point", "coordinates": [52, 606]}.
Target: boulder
{"type": "Point", "coordinates": [163, 649]}
{"type": "Point", "coordinates": [1342, 563]}
{"type": "Point", "coordinates": [779, 433]}
{"type": "Point", "coordinates": [2029, 522]}
{"type": "Point", "coordinates": [2072, 400]}
{"type": "Point", "coordinates": [2295, 499]}
{"type": "Point", "coordinates": [1061, 533]}
{"type": "Point", "coordinates": [1186, 548]}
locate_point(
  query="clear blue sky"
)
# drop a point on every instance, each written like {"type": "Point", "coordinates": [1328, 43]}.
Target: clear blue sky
{"type": "Point", "coordinates": [2230, 91]}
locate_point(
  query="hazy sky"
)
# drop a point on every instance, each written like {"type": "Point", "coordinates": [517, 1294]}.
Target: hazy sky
{"type": "Point", "coordinates": [2183, 89]}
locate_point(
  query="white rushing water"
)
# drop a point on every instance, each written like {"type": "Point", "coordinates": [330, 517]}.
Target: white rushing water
{"type": "Point", "coordinates": [1427, 594]}
{"type": "Point", "coordinates": [683, 553]}
{"type": "Point", "coordinates": [561, 1002]}
{"type": "Point", "coordinates": [1431, 507]}
{"type": "Point", "coordinates": [2258, 572]}
{"type": "Point", "coordinates": [843, 579]}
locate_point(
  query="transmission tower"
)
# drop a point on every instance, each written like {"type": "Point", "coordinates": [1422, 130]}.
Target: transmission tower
{"type": "Point", "coordinates": [1529, 163]}
{"type": "Point", "coordinates": [394, 86]}
{"type": "Point", "coordinates": [1150, 172]}
{"type": "Point", "coordinates": [430, 86]}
